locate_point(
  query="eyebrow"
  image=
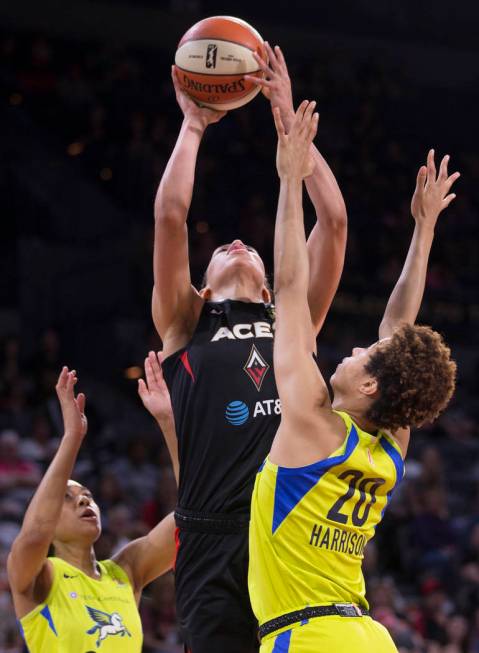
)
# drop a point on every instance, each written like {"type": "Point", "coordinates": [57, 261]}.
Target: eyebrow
{"type": "Point", "coordinates": [81, 488]}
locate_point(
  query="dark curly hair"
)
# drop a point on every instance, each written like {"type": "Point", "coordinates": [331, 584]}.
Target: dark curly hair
{"type": "Point", "coordinates": [416, 378]}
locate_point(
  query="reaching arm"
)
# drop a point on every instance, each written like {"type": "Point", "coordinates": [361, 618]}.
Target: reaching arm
{"type": "Point", "coordinates": [327, 242]}
{"type": "Point", "coordinates": [300, 385]}
{"type": "Point", "coordinates": [150, 556]}
{"type": "Point", "coordinates": [30, 548]}
{"type": "Point", "coordinates": [173, 295]}
{"type": "Point", "coordinates": [156, 399]}
{"type": "Point", "coordinates": [430, 197]}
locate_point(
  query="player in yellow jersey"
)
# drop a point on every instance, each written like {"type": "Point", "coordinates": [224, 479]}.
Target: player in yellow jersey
{"type": "Point", "coordinates": [71, 603]}
{"type": "Point", "coordinates": [333, 467]}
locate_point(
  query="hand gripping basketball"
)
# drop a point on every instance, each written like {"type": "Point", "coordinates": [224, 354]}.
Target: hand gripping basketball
{"type": "Point", "coordinates": [191, 110]}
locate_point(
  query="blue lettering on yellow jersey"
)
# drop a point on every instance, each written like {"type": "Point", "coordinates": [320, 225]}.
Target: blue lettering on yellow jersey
{"type": "Point", "coordinates": [309, 525]}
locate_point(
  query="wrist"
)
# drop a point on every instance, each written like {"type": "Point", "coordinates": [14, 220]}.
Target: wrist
{"type": "Point", "coordinates": [287, 116]}
{"type": "Point", "coordinates": [195, 123]}
{"type": "Point", "coordinates": [291, 179]}
{"type": "Point", "coordinates": [72, 437]}
{"type": "Point", "coordinates": [426, 227]}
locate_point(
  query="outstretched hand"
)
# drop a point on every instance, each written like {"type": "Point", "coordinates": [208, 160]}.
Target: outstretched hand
{"type": "Point", "coordinates": [431, 194]}
{"type": "Point", "coordinates": [293, 157]}
{"type": "Point", "coordinates": [202, 116]}
{"type": "Point", "coordinates": [154, 393]}
{"type": "Point", "coordinates": [73, 408]}
{"type": "Point", "coordinates": [276, 83]}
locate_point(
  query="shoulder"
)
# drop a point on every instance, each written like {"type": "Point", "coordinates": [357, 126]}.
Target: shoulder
{"type": "Point", "coordinates": [115, 570]}
{"type": "Point", "coordinates": [400, 439]}
{"type": "Point", "coordinates": [39, 590]}
{"type": "Point", "coordinates": [309, 439]}
{"type": "Point", "coordinates": [175, 328]}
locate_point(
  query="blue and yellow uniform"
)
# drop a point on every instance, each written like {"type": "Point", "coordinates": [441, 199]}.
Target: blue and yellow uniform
{"type": "Point", "coordinates": [83, 615]}
{"type": "Point", "coordinates": [309, 527]}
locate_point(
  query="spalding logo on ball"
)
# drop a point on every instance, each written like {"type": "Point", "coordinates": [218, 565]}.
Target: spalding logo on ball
{"type": "Point", "coordinates": [212, 59]}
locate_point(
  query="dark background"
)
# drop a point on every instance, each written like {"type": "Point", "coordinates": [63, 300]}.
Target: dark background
{"type": "Point", "coordinates": [87, 122]}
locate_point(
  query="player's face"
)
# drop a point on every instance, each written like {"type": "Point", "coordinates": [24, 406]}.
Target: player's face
{"type": "Point", "coordinates": [80, 516]}
{"type": "Point", "coordinates": [351, 372]}
{"type": "Point", "coordinates": [233, 259]}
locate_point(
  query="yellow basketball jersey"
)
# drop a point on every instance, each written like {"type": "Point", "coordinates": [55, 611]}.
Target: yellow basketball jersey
{"type": "Point", "coordinates": [309, 525]}
{"type": "Point", "coordinates": [83, 615]}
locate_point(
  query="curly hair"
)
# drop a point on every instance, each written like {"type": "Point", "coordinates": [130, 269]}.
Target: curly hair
{"type": "Point", "coordinates": [416, 378]}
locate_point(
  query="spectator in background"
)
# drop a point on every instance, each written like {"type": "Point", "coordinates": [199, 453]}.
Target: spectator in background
{"type": "Point", "coordinates": [17, 474]}
{"type": "Point", "coordinates": [138, 474]}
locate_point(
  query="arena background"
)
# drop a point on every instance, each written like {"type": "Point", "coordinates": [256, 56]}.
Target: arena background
{"type": "Point", "coordinates": [87, 122]}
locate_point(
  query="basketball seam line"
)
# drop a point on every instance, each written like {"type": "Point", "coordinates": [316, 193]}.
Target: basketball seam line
{"type": "Point", "coordinates": [193, 72]}
{"type": "Point", "coordinates": [215, 38]}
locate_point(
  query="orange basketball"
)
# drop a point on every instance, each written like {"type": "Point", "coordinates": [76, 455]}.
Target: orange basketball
{"type": "Point", "coordinates": [212, 59]}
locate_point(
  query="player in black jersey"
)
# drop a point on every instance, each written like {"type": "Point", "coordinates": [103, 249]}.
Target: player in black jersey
{"type": "Point", "coordinates": [218, 344]}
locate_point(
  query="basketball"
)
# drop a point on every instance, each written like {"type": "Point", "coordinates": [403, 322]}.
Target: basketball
{"type": "Point", "coordinates": [212, 59]}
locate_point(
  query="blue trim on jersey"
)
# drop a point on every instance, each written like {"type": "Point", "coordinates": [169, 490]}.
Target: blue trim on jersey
{"type": "Point", "coordinates": [282, 642]}
{"type": "Point", "coordinates": [261, 466]}
{"type": "Point", "coordinates": [22, 633]}
{"type": "Point", "coordinates": [292, 483]}
{"type": "Point", "coordinates": [396, 457]}
{"type": "Point", "coordinates": [48, 616]}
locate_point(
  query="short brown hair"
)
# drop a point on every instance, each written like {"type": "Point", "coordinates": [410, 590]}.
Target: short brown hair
{"type": "Point", "coordinates": [416, 378]}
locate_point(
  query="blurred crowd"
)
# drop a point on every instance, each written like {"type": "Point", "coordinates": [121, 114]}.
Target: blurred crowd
{"type": "Point", "coordinates": [112, 115]}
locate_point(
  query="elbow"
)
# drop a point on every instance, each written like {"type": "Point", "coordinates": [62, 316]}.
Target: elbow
{"type": "Point", "coordinates": [170, 212]}
{"type": "Point", "coordinates": [33, 537]}
{"type": "Point", "coordinates": [335, 219]}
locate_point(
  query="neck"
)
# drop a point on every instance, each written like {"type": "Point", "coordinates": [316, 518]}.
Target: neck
{"type": "Point", "coordinates": [239, 288]}
{"type": "Point", "coordinates": [356, 414]}
{"type": "Point", "coordinates": [80, 556]}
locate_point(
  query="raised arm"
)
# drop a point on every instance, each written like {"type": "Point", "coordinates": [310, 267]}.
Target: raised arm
{"type": "Point", "coordinates": [174, 298]}
{"type": "Point", "coordinates": [327, 241]}
{"type": "Point", "coordinates": [299, 382]}
{"type": "Point", "coordinates": [430, 197]}
{"type": "Point", "coordinates": [148, 557]}
{"type": "Point", "coordinates": [27, 560]}
{"type": "Point", "coordinates": [156, 399]}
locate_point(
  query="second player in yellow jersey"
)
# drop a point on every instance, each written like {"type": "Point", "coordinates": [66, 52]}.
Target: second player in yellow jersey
{"type": "Point", "coordinates": [319, 517]}
{"type": "Point", "coordinates": [333, 466]}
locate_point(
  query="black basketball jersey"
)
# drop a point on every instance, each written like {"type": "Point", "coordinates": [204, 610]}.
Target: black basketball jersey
{"type": "Point", "coordinates": [226, 405]}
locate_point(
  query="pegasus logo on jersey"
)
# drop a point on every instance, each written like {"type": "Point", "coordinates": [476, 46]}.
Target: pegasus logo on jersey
{"type": "Point", "coordinates": [256, 367]}
{"type": "Point", "coordinates": [244, 331]}
{"type": "Point", "coordinates": [106, 624]}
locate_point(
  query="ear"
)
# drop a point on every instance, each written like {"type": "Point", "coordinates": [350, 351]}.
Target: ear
{"type": "Point", "coordinates": [266, 295]}
{"type": "Point", "coordinates": [369, 387]}
{"type": "Point", "coordinates": [205, 293]}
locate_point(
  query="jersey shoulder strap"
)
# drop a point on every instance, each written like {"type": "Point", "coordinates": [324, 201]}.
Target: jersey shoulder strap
{"type": "Point", "coordinates": [114, 571]}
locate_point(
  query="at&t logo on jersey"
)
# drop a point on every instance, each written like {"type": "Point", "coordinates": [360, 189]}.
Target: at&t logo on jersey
{"type": "Point", "coordinates": [237, 412]}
